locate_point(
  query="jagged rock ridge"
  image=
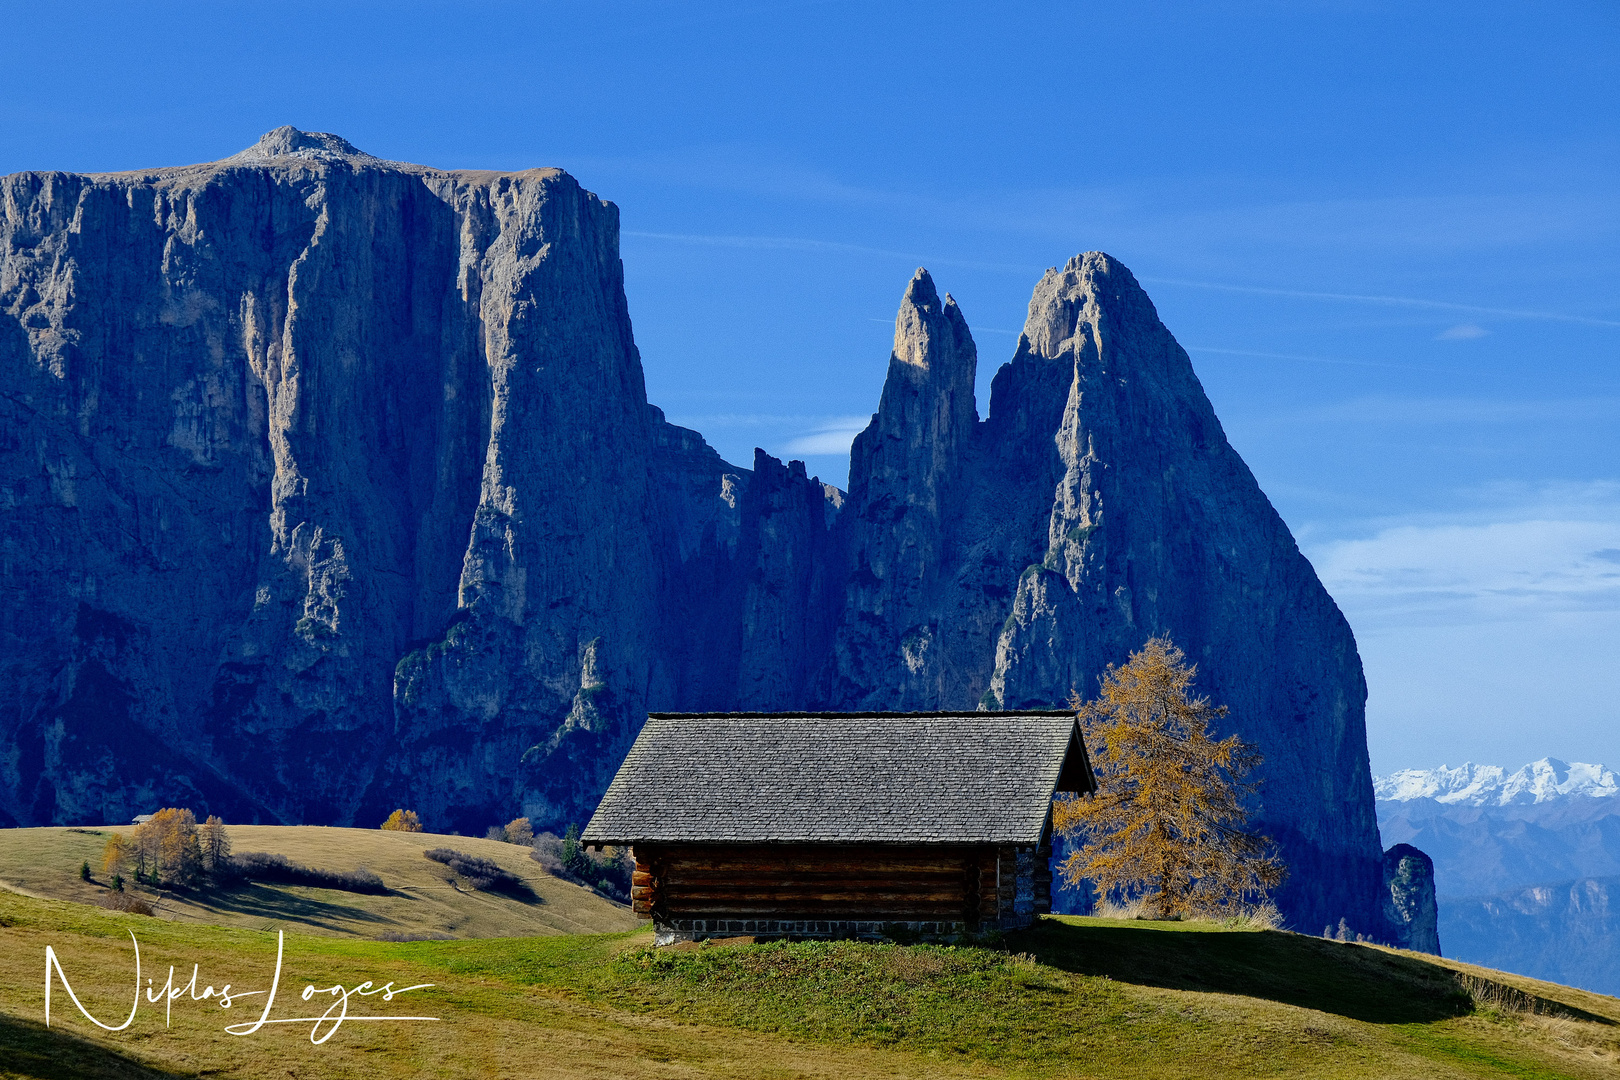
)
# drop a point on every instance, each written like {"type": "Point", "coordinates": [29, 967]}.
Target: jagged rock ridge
{"type": "Point", "coordinates": [331, 485]}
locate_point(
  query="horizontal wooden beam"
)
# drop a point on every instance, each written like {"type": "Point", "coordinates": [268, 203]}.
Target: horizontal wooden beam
{"type": "Point", "coordinates": [785, 914]}
{"type": "Point", "coordinates": [818, 881]}
{"type": "Point", "coordinates": [790, 896]}
{"type": "Point", "coordinates": [804, 866]}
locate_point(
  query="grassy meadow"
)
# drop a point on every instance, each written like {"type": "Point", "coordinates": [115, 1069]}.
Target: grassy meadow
{"type": "Point", "coordinates": [425, 898]}
{"type": "Point", "coordinates": [1071, 998]}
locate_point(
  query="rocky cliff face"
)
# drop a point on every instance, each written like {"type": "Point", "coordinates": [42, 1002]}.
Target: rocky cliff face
{"type": "Point", "coordinates": [1409, 903]}
{"type": "Point", "coordinates": [331, 485]}
{"type": "Point", "coordinates": [1566, 932]}
{"type": "Point", "coordinates": [1005, 562]}
{"type": "Point", "coordinates": [308, 459]}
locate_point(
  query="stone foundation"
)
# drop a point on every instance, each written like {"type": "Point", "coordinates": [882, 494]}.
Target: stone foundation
{"type": "Point", "coordinates": [673, 930]}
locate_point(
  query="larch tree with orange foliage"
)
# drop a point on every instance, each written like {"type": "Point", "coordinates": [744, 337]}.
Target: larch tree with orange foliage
{"type": "Point", "coordinates": [402, 821]}
{"type": "Point", "coordinates": [1165, 825]}
{"type": "Point", "coordinates": [165, 848]}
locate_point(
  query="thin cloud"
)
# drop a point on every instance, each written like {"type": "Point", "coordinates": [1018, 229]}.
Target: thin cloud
{"type": "Point", "coordinates": [1393, 301]}
{"type": "Point", "coordinates": [833, 438]}
{"type": "Point", "coordinates": [1462, 332]}
{"type": "Point", "coordinates": [799, 422]}
{"type": "Point", "coordinates": [1454, 410]}
{"type": "Point", "coordinates": [799, 243]}
{"type": "Point", "coordinates": [792, 436]}
{"type": "Point", "coordinates": [1552, 554]}
{"type": "Point", "coordinates": [1315, 359]}
{"type": "Point", "coordinates": [796, 243]}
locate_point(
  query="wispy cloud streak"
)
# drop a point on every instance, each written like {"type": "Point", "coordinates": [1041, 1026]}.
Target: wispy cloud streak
{"type": "Point", "coordinates": [1389, 301]}
{"type": "Point", "coordinates": [1549, 554]}
{"type": "Point", "coordinates": [797, 243]}
{"type": "Point", "coordinates": [1318, 359]}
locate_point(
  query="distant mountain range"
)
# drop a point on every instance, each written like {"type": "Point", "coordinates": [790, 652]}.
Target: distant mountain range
{"type": "Point", "coordinates": [1491, 785]}
{"type": "Point", "coordinates": [1526, 864]}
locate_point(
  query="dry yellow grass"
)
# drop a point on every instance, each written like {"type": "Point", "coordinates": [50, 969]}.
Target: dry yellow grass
{"type": "Point", "coordinates": [490, 1026]}
{"type": "Point", "coordinates": [1088, 998]}
{"type": "Point", "coordinates": [425, 898]}
{"type": "Point", "coordinates": [1075, 997]}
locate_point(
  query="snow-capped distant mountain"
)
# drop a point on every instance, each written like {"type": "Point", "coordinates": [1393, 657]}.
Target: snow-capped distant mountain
{"type": "Point", "coordinates": [1491, 785]}
{"type": "Point", "coordinates": [1526, 864]}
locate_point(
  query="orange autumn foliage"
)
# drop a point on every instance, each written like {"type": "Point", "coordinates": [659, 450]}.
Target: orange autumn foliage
{"type": "Point", "coordinates": [1165, 824]}
{"type": "Point", "coordinates": [402, 821]}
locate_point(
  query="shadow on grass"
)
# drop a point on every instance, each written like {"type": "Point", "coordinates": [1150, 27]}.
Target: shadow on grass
{"type": "Point", "coordinates": [518, 890]}
{"type": "Point", "coordinates": [1313, 973]}
{"type": "Point", "coordinates": [273, 903]}
{"type": "Point", "coordinates": [30, 1049]}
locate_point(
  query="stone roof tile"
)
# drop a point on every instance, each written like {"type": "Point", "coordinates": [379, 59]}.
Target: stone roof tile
{"type": "Point", "coordinates": [841, 778]}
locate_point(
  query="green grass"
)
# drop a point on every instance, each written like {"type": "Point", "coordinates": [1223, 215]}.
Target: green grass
{"type": "Point", "coordinates": [1073, 997]}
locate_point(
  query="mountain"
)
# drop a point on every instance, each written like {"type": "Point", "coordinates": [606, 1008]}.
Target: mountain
{"type": "Point", "coordinates": [1489, 831]}
{"type": "Point", "coordinates": [1569, 931]}
{"type": "Point", "coordinates": [1491, 785]}
{"type": "Point", "coordinates": [1525, 863]}
{"type": "Point", "coordinates": [331, 486]}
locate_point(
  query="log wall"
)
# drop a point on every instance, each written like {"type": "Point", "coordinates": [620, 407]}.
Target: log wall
{"type": "Point", "coordinates": [696, 890]}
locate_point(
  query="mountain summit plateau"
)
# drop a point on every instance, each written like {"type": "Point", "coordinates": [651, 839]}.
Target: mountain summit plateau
{"type": "Point", "coordinates": [331, 486]}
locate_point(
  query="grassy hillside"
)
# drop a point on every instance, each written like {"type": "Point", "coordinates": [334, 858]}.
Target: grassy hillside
{"type": "Point", "coordinates": [1074, 997]}
{"type": "Point", "coordinates": [424, 898]}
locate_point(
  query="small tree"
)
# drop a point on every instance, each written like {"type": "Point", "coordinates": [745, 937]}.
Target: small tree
{"type": "Point", "coordinates": [172, 835]}
{"type": "Point", "coordinates": [574, 859]}
{"type": "Point", "coordinates": [519, 831]}
{"type": "Point", "coordinates": [403, 821]}
{"type": "Point", "coordinates": [216, 844]}
{"type": "Point", "coordinates": [116, 856]}
{"type": "Point", "coordinates": [1165, 823]}
{"type": "Point", "coordinates": [144, 842]}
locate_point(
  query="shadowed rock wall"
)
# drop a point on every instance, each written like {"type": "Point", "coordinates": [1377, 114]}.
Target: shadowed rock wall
{"type": "Point", "coordinates": [331, 486]}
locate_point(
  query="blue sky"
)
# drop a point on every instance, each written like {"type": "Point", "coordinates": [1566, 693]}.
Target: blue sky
{"type": "Point", "coordinates": [1388, 234]}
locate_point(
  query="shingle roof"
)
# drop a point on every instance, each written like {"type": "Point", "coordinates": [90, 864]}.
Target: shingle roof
{"type": "Point", "coordinates": [842, 777]}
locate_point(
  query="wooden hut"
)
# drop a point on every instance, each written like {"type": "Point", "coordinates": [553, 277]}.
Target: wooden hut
{"type": "Point", "coordinates": [841, 824]}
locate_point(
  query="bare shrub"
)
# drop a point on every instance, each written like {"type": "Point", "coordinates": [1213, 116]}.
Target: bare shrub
{"type": "Point", "coordinates": [607, 872]}
{"type": "Point", "coordinates": [128, 903]}
{"type": "Point", "coordinates": [482, 874]}
{"type": "Point", "coordinates": [262, 866]}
